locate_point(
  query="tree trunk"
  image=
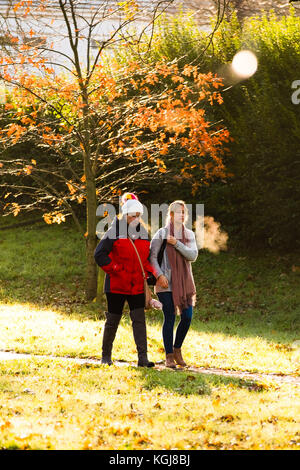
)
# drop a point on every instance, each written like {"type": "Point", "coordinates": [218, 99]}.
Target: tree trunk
{"type": "Point", "coordinates": [91, 238]}
{"type": "Point", "coordinates": [91, 276]}
{"type": "Point", "coordinates": [100, 293]}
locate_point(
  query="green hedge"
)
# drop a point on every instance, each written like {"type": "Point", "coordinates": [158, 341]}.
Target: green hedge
{"type": "Point", "coordinates": [261, 203]}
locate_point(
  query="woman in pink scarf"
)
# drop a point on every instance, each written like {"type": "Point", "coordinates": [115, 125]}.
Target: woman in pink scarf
{"type": "Point", "coordinates": [175, 285]}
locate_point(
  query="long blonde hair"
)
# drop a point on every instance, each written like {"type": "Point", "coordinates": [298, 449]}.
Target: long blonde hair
{"type": "Point", "coordinates": [172, 208]}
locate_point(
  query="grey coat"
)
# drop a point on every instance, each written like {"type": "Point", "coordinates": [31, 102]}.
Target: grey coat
{"type": "Point", "coordinates": [189, 251]}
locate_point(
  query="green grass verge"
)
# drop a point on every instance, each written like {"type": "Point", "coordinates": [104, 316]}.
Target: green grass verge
{"type": "Point", "coordinates": [246, 318]}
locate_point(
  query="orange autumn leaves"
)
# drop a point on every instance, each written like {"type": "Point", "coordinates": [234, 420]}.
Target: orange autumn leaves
{"type": "Point", "coordinates": [141, 113]}
{"type": "Point", "coordinates": [174, 112]}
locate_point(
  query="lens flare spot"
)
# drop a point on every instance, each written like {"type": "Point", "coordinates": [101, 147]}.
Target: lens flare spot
{"type": "Point", "coordinates": [244, 64]}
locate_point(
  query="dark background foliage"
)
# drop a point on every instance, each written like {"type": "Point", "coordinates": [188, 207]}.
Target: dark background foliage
{"type": "Point", "coordinates": [260, 204]}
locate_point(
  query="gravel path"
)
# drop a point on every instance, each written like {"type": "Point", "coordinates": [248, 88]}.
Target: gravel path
{"type": "Point", "coordinates": [8, 355]}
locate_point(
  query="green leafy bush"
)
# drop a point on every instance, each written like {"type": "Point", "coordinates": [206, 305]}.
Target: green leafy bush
{"type": "Point", "coordinates": [261, 203]}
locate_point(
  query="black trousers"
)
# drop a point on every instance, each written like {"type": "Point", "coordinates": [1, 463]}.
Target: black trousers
{"type": "Point", "coordinates": [115, 302]}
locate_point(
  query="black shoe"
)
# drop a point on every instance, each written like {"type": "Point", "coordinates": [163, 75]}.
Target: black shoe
{"type": "Point", "coordinates": [106, 360]}
{"type": "Point", "coordinates": [145, 363]}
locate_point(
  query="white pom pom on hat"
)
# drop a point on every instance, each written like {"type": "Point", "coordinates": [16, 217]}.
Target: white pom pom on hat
{"type": "Point", "coordinates": [132, 205]}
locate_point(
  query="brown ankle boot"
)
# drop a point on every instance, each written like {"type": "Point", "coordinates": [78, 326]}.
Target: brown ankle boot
{"type": "Point", "coordinates": [178, 357]}
{"type": "Point", "coordinates": [170, 361]}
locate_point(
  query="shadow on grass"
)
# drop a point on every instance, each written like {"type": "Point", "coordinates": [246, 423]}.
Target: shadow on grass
{"type": "Point", "coordinates": [186, 383]}
{"type": "Point", "coordinates": [189, 383]}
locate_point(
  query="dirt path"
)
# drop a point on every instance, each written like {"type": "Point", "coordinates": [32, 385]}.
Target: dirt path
{"type": "Point", "coordinates": [8, 355]}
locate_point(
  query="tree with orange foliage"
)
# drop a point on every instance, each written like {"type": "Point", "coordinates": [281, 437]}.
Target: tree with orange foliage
{"type": "Point", "coordinates": [100, 128]}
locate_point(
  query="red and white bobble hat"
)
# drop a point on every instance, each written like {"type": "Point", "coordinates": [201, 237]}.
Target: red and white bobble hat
{"type": "Point", "coordinates": [131, 204]}
{"type": "Point", "coordinates": [127, 196]}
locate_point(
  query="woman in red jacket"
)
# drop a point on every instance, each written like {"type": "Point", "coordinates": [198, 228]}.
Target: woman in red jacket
{"type": "Point", "coordinates": [124, 279]}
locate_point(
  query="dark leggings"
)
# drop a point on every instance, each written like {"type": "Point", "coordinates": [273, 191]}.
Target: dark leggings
{"type": "Point", "coordinates": [115, 302]}
{"type": "Point", "coordinates": [169, 313]}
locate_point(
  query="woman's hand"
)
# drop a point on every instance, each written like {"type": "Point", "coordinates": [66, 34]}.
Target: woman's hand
{"type": "Point", "coordinates": [162, 281]}
{"type": "Point", "coordinates": [172, 240]}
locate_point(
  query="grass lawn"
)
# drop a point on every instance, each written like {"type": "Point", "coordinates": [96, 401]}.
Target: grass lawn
{"type": "Point", "coordinates": [246, 318]}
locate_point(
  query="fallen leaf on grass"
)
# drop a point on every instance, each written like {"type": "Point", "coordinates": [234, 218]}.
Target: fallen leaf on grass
{"type": "Point", "coordinates": [255, 387]}
{"type": "Point", "coordinates": [190, 377]}
{"type": "Point", "coordinates": [272, 420]}
{"type": "Point", "coordinates": [216, 402]}
{"type": "Point", "coordinates": [143, 440]}
{"type": "Point", "coordinates": [30, 392]}
{"type": "Point", "coordinates": [198, 427]}
{"type": "Point", "coordinates": [119, 430]}
{"type": "Point", "coordinates": [5, 425]}
{"type": "Point", "coordinates": [227, 418]}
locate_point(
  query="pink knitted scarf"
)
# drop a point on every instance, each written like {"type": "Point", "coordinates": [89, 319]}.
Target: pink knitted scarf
{"type": "Point", "coordinates": [183, 286]}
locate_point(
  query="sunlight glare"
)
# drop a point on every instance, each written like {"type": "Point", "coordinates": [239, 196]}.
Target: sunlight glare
{"type": "Point", "coordinates": [244, 64]}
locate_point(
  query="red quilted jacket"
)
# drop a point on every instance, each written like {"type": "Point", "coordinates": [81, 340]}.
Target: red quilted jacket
{"type": "Point", "coordinates": [117, 257]}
